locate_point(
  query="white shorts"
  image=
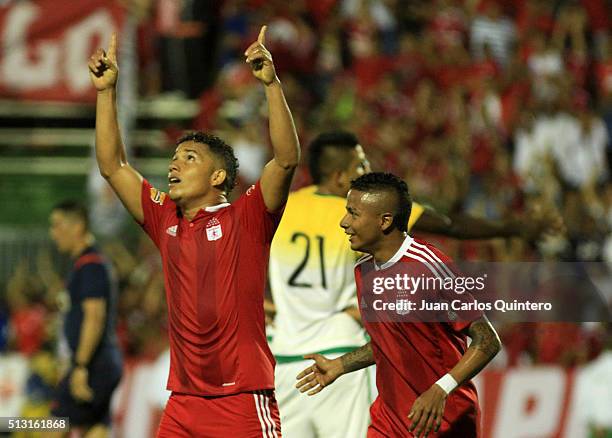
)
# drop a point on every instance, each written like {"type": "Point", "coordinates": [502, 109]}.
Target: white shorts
{"type": "Point", "coordinates": [341, 410]}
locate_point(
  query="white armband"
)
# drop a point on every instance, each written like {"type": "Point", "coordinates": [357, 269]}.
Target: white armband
{"type": "Point", "coordinates": [447, 383]}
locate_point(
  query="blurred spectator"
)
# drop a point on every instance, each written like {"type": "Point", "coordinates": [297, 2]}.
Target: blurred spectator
{"type": "Point", "coordinates": [28, 318]}
{"type": "Point", "coordinates": [4, 328]}
{"type": "Point", "coordinates": [580, 149]}
{"type": "Point", "coordinates": [249, 150]}
{"type": "Point", "coordinates": [570, 36]}
{"type": "Point", "coordinates": [492, 28]}
{"type": "Point", "coordinates": [371, 19]}
{"type": "Point", "coordinates": [545, 65]}
{"type": "Point", "coordinates": [607, 217]}
{"type": "Point", "coordinates": [188, 35]}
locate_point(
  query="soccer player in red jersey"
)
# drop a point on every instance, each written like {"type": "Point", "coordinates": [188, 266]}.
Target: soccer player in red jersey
{"type": "Point", "coordinates": [423, 368]}
{"type": "Point", "coordinates": [214, 259]}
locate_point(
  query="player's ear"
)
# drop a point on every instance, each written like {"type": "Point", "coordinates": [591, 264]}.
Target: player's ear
{"type": "Point", "coordinates": [343, 179]}
{"type": "Point", "coordinates": [80, 227]}
{"type": "Point", "coordinates": [337, 176]}
{"type": "Point", "coordinates": [218, 177]}
{"type": "Point", "coordinates": [386, 221]}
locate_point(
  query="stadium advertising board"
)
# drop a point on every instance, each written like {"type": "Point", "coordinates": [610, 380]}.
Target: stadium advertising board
{"type": "Point", "coordinates": [45, 48]}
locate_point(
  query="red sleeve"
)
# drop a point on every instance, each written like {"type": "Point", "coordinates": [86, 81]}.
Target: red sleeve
{"type": "Point", "coordinates": [464, 318]}
{"type": "Point", "coordinates": [458, 320]}
{"type": "Point", "coordinates": [255, 217]}
{"type": "Point", "coordinates": [155, 205]}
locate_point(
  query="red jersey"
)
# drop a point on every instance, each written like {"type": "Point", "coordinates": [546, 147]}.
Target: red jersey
{"type": "Point", "coordinates": [412, 356]}
{"type": "Point", "coordinates": [214, 274]}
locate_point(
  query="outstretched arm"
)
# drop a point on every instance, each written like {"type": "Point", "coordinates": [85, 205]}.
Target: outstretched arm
{"type": "Point", "coordinates": [278, 173]}
{"type": "Point", "coordinates": [465, 227]}
{"type": "Point", "coordinates": [110, 152]}
{"type": "Point", "coordinates": [461, 226]}
{"type": "Point", "coordinates": [428, 408]}
{"type": "Point", "coordinates": [324, 371]}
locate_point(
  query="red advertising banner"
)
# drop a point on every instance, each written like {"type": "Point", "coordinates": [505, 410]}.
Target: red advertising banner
{"type": "Point", "coordinates": [528, 402]}
{"type": "Point", "coordinates": [45, 45]}
{"type": "Point", "coordinates": [525, 402]}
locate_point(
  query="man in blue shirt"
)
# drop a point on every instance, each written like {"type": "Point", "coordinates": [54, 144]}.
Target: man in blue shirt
{"type": "Point", "coordinates": [84, 394]}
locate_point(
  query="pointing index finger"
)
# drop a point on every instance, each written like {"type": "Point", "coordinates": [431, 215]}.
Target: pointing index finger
{"type": "Point", "coordinates": [112, 48]}
{"type": "Point", "coordinates": [261, 39]}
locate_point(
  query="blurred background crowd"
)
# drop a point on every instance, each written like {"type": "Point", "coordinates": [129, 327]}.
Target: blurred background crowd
{"type": "Point", "coordinates": [491, 108]}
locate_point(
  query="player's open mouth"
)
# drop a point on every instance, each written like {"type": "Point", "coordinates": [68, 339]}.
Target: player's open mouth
{"type": "Point", "coordinates": [173, 180]}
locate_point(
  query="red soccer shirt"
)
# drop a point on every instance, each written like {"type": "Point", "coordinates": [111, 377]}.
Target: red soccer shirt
{"type": "Point", "coordinates": [214, 273]}
{"type": "Point", "coordinates": [412, 356]}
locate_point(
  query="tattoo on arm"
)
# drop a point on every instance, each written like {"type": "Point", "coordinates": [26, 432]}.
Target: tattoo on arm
{"type": "Point", "coordinates": [484, 337]}
{"type": "Point", "coordinates": [361, 358]}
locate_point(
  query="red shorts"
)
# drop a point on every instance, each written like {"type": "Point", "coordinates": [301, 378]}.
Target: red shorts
{"type": "Point", "coordinates": [381, 425]}
{"type": "Point", "coordinates": [386, 424]}
{"type": "Point", "coordinates": [248, 415]}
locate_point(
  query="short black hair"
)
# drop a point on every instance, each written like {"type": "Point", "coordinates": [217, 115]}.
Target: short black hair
{"type": "Point", "coordinates": [74, 208]}
{"type": "Point", "coordinates": [220, 150]}
{"type": "Point", "coordinates": [319, 168]}
{"type": "Point", "coordinates": [387, 182]}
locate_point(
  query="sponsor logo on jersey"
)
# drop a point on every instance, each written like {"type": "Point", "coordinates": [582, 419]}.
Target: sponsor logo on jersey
{"type": "Point", "coordinates": [157, 196]}
{"type": "Point", "coordinates": [172, 230]}
{"type": "Point", "coordinates": [213, 229]}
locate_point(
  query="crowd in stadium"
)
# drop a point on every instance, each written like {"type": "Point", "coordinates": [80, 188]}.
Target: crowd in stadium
{"type": "Point", "coordinates": [486, 107]}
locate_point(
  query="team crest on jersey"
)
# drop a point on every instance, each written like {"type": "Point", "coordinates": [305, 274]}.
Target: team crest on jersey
{"type": "Point", "coordinates": [157, 196]}
{"type": "Point", "coordinates": [172, 230]}
{"type": "Point", "coordinates": [250, 190]}
{"type": "Point", "coordinates": [213, 229]}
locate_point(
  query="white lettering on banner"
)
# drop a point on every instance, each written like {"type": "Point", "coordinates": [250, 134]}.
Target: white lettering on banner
{"type": "Point", "coordinates": [530, 404]}
{"type": "Point", "coordinates": [576, 425]}
{"type": "Point", "coordinates": [14, 373]}
{"type": "Point", "coordinates": [141, 397]}
{"type": "Point", "coordinates": [78, 46]}
{"type": "Point", "coordinates": [20, 68]}
{"type": "Point", "coordinates": [30, 66]}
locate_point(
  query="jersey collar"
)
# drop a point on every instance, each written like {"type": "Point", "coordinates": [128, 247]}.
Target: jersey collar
{"type": "Point", "coordinates": [397, 256]}
{"type": "Point", "coordinates": [217, 207]}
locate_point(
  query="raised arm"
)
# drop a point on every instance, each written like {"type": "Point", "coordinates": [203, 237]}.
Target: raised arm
{"type": "Point", "coordinates": [277, 174]}
{"type": "Point", "coordinates": [110, 152]}
{"type": "Point", "coordinates": [428, 408]}
{"type": "Point", "coordinates": [460, 226]}
{"type": "Point", "coordinates": [465, 227]}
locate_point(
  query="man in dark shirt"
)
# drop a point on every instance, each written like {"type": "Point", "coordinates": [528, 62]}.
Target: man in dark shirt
{"type": "Point", "coordinates": [85, 392]}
